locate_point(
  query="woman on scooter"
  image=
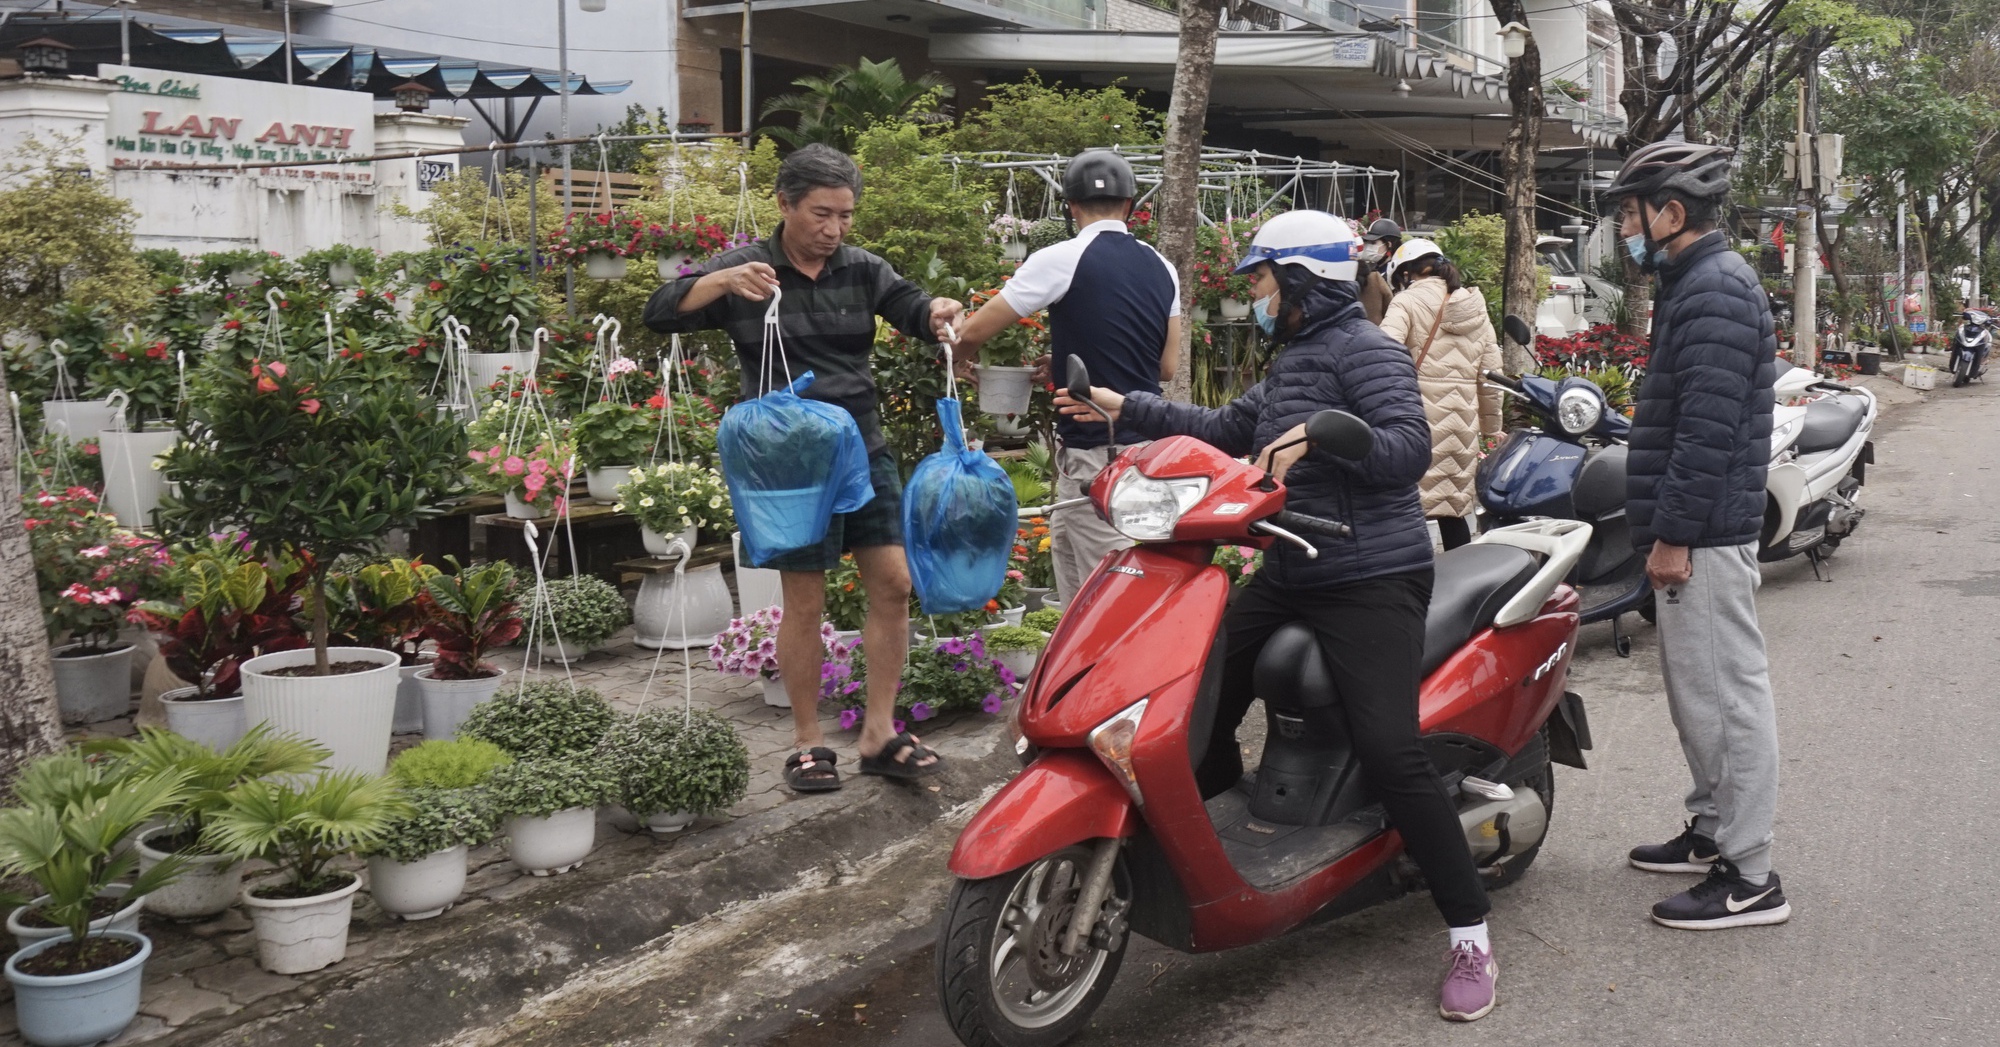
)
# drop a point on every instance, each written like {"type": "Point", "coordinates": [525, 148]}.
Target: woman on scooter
{"type": "Point", "coordinates": [1365, 595]}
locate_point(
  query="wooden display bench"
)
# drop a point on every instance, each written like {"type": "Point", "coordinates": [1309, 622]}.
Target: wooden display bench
{"type": "Point", "coordinates": [642, 567]}
{"type": "Point", "coordinates": [604, 538]}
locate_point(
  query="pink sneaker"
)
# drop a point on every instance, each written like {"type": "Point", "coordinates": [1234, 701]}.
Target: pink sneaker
{"type": "Point", "coordinates": [1467, 993]}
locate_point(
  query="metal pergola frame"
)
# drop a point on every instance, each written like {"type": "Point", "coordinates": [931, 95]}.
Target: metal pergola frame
{"type": "Point", "coordinates": [1222, 170]}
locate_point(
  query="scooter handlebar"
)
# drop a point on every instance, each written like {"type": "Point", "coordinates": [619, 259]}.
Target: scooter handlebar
{"type": "Point", "coordinates": [1504, 380]}
{"type": "Point", "coordinates": [1292, 521]}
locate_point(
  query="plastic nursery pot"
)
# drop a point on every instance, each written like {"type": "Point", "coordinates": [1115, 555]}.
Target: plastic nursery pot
{"type": "Point", "coordinates": [672, 264]}
{"type": "Point", "coordinates": [351, 713]}
{"type": "Point", "coordinates": [421, 889]}
{"type": "Point", "coordinates": [1004, 390]}
{"type": "Point", "coordinates": [125, 919]}
{"type": "Point", "coordinates": [1234, 308]}
{"type": "Point", "coordinates": [487, 368]}
{"type": "Point", "coordinates": [600, 266]}
{"type": "Point", "coordinates": [214, 722]}
{"type": "Point", "coordinates": [664, 822]}
{"type": "Point", "coordinates": [603, 481]}
{"type": "Point", "coordinates": [77, 420]}
{"type": "Point", "coordinates": [207, 886]}
{"type": "Point", "coordinates": [552, 844]}
{"type": "Point", "coordinates": [132, 487]}
{"type": "Point", "coordinates": [92, 687]}
{"type": "Point", "coordinates": [409, 717]}
{"type": "Point", "coordinates": [662, 545]}
{"type": "Point", "coordinates": [297, 935]}
{"type": "Point", "coordinates": [682, 611]}
{"type": "Point", "coordinates": [521, 510]}
{"type": "Point", "coordinates": [448, 702]}
{"type": "Point", "coordinates": [775, 694]}
{"type": "Point", "coordinates": [70, 1010]}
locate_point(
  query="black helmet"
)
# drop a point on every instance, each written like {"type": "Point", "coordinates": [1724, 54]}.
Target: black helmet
{"type": "Point", "coordinates": [1382, 228]}
{"type": "Point", "coordinates": [1099, 174]}
{"type": "Point", "coordinates": [1699, 171]}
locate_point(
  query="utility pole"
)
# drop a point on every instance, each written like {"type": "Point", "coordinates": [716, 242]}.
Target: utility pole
{"type": "Point", "coordinates": [288, 41]}
{"type": "Point", "coordinates": [1902, 254]}
{"type": "Point", "coordinates": [1805, 256]}
{"type": "Point", "coordinates": [569, 173]}
{"type": "Point", "coordinates": [749, 79]}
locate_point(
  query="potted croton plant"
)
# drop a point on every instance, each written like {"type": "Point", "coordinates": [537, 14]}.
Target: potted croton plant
{"type": "Point", "coordinates": [465, 615]}
{"type": "Point", "coordinates": [89, 572]}
{"type": "Point", "coordinates": [301, 825]}
{"type": "Point", "coordinates": [380, 605]}
{"type": "Point", "coordinates": [669, 767]}
{"type": "Point", "coordinates": [416, 870]}
{"type": "Point", "coordinates": [570, 617]}
{"type": "Point", "coordinates": [76, 977]}
{"type": "Point", "coordinates": [548, 797]}
{"type": "Point", "coordinates": [318, 458]}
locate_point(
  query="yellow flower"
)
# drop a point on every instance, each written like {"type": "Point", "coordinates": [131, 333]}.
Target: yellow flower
{"type": "Point", "coordinates": [1044, 547]}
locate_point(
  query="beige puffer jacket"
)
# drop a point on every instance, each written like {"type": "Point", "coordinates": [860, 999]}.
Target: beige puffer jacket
{"type": "Point", "coordinates": [1460, 404]}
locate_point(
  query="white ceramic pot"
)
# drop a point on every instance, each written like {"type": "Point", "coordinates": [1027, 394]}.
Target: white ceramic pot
{"type": "Point", "coordinates": [297, 935]}
{"type": "Point", "coordinates": [125, 919]}
{"type": "Point", "coordinates": [756, 587]}
{"type": "Point", "coordinates": [1235, 309]}
{"type": "Point", "coordinates": [1020, 663]}
{"type": "Point", "coordinates": [1199, 313]}
{"type": "Point", "coordinates": [71, 1010]}
{"type": "Point", "coordinates": [1009, 425]}
{"type": "Point", "coordinates": [487, 368]}
{"type": "Point", "coordinates": [665, 822]}
{"type": "Point", "coordinates": [409, 717]}
{"type": "Point", "coordinates": [207, 886]}
{"type": "Point", "coordinates": [448, 702]}
{"type": "Point", "coordinates": [662, 545]}
{"type": "Point", "coordinates": [421, 889]}
{"type": "Point", "coordinates": [682, 611]}
{"type": "Point", "coordinates": [350, 714]}
{"type": "Point", "coordinates": [92, 688]}
{"type": "Point", "coordinates": [1036, 596]}
{"type": "Point", "coordinates": [1014, 250]}
{"type": "Point", "coordinates": [243, 276]}
{"type": "Point", "coordinates": [79, 420]}
{"type": "Point", "coordinates": [1004, 390]}
{"type": "Point", "coordinates": [132, 485]}
{"type": "Point", "coordinates": [601, 266]}
{"type": "Point", "coordinates": [775, 694]}
{"type": "Point", "coordinates": [1012, 615]}
{"type": "Point", "coordinates": [521, 510]}
{"type": "Point", "coordinates": [672, 264]}
{"type": "Point", "coordinates": [604, 481]}
{"type": "Point", "coordinates": [553, 844]}
{"type": "Point", "coordinates": [214, 722]}
{"type": "Point", "coordinates": [342, 274]}
{"type": "Point", "coordinates": [562, 652]}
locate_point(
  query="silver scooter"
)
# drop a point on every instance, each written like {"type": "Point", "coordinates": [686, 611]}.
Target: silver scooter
{"type": "Point", "coordinates": [1820, 452]}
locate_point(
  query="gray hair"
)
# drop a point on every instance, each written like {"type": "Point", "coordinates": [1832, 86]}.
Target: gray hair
{"type": "Point", "coordinates": [817, 167]}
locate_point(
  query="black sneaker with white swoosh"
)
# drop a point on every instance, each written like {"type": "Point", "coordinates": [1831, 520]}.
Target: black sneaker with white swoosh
{"type": "Point", "coordinates": [1689, 852]}
{"type": "Point", "coordinates": [1724, 899]}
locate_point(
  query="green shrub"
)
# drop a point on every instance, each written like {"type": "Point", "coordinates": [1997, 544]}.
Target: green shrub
{"type": "Point", "coordinates": [581, 611]}
{"type": "Point", "coordinates": [666, 761]}
{"type": "Point", "coordinates": [458, 763]}
{"type": "Point", "coordinates": [437, 820]}
{"type": "Point", "coordinates": [1016, 638]}
{"type": "Point", "coordinates": [1044, 620]}
{"type": "Point", "coordinates": [538, 788]}
{"type": "Point", "coordinates": [540, 720]}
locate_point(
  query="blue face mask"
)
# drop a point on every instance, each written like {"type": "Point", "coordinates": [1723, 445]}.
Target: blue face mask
{"type": "Point", "coordinates": [1261, 309]}
{"type": "Point", "coordinates": [1635, 246]}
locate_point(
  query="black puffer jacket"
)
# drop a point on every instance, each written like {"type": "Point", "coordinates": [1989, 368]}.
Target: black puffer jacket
{"type": "Point", "coordinates": [1701, 436]}
{"type": "Point", "coordinates": [1338, 360]}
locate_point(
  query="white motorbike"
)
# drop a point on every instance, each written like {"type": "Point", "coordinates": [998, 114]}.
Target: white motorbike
{"type": "Point", "coordinates": [1820, 451]}
{"type": "Point", "coordinates": [1969, 346]}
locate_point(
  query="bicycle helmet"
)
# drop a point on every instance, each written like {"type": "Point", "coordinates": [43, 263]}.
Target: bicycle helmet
{"type": "Point", "coordinates": [1382, 228]}
{"type": "Point", "coordinates": [1099, 174]}
{"type": "Point", "coordinates": [1322, 243]}
{"type": "Point", "coordinates": [1411, 252]}
{"type": "Point", "coordinates": [1700, 171]}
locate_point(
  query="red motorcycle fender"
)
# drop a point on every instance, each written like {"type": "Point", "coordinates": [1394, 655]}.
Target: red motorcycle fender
{"type": "Point", "coordinates": [1065, 797]}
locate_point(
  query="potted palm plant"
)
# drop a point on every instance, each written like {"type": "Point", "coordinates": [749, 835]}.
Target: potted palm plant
{"type": "Point", "coordinates": [79, 982]}
{"type": "Point", "coordinates": [417, 869]}
{"type": "Point", "coordinates": [466, 615]}
{"type": "Point", "coordinates": [318, 458]}
{"type": "Point", "coordinates": [300, 825]}
{"type": "Point", "coordinates": [548, 798]}
{"type": "Point", "coordinates": [570, 617]}
{"type": "Point", "coordinates": [669, 768]}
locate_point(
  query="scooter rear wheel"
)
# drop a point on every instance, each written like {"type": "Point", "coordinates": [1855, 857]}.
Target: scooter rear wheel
{"type": "Point", "coordinates": [1002, 977]}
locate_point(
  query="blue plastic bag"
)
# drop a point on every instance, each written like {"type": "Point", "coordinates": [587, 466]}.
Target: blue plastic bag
{"type": "Point", "coordinates": [959, 523]}
{"type": "Point", "coordinates": [790, 464]}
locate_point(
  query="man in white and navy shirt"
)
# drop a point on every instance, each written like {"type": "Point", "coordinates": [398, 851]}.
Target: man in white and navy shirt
{"type": "Point", "coordinates": [1113, 301]}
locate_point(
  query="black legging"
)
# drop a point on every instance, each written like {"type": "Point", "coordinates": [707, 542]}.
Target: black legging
{"type": "Point", "coordinates": [1454, 531]}
{"type": "Point", "coordinates": [1372, 633]}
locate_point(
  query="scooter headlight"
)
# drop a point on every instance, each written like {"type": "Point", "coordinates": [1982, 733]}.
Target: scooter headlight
{"type": "Point", "coordinates": [1578, 410]}
{"type": "Point", "coordinates": [1146, 510]}
{"type": "Point", "coordinates": [1112, 742]}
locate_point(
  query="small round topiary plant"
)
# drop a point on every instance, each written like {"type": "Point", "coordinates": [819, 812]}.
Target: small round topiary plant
{"type": "Point", "coordinates": [581, 612]}
{"type": "Point", "coordinates": [537, 788]}
{"type": "Point", "coordinates": [459, 763]}
{"type": "Point", "coordinates": [550, 718]}
{"type": "Point", "coordinates": [1016, 638]}
{"type": "Point", "coordinates": [1044, 620]}
{"type": "Point", "coordinates": [663, 761]}
{"type": "Point", "coordinates": [437, 820]}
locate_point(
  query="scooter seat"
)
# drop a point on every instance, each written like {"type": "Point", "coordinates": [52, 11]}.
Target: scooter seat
{"type": "Point", "coordinates": [1830, 422]}
{"type": "Point", "coordinates": [1473, 583]}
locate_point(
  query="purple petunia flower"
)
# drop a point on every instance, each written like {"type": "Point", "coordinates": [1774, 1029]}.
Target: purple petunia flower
{"type": "Point", "coordinates": [767, 647]}
{"type": "Point", "coordinates": [958, 667]}
{"type": "Point", "coordinates": [921, 712]}
{"type": "Point", "coordinates": [898, 726]}
{"type": "Point", "coordinates": [1006, 674]}
{"type": "Point", "coordinates": [952, 647]}
{"type": "Point", "coordinates": [850, 688]}
{"type": "Point", "coordinates": [991, 704]}
{"type": "Point", "coordinates": [850, 719]}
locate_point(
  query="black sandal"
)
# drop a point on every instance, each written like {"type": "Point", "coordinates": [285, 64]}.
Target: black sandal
{"type": "Point", "coordinates": [884, 764]}
{"type": "Point", "coordinates": [812, 771]}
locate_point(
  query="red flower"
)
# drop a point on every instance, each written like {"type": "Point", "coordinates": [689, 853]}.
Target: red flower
{"type": "Point", "coordinates": [231, 325]}
{"type": "Point", "coordinates": [437, 285]}
{"type": "Point", "coordinates": [266, 385]}
{"type": "Point", "coordinates": [309, 406]}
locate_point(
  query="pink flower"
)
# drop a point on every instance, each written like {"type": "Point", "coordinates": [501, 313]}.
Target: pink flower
{"type": "Point", "coordinates": [278, 368]}
{"type": "Point", "coordinates": [477, 456]}
{"type": "Point", "coordinates": [1016, 575]}
{"type": "Point", "coordinates": [514, 466]}
{"type": "Point", "coordinates": [309, 406]}
{"type": "Point", "coordinates": [95, 552]}
{"type": "Point", "coordinates": [266, 385]}
{"type": "Point", "coordinates": [534, 484]}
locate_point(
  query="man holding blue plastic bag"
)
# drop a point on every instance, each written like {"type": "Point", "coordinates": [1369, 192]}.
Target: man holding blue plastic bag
{"type": "Point", "coordinates": [829, 295]}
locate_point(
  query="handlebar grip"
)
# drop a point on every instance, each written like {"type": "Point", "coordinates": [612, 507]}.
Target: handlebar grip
{"type": "Point", "coordinates": [1835, 386]}
{"type": "Point", "coordinates": [1303, 524]}
{"type": "Point", "coordinates": [1504, 380]}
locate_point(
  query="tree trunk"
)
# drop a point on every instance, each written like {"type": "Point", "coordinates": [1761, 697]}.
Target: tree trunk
{"type": "Point", "coordinates": [1180, 167]}
{"type": "Point", "coordinates": [1520, 296]}
{"type": "Point", "coordinates": [29, 723]}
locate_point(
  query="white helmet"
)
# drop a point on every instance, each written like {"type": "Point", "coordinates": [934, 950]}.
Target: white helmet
{"type": "Point", "coordinates": [1324, 244]}
{"type": "Point", "coordinates": [1411, 251]}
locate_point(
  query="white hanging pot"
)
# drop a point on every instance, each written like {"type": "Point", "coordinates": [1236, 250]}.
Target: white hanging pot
{"type": "Point", "coordinates": [775, 694]}
{"type": "Point", "coordinates": [351, 714]}
{"type": "Point", "coordinates": [207, 886]}
{"type": "Point", "coordinates": [562, 652]}
{"type": "Point", "coordinates": [521, 510]}
{"type": "Point", "coordinates": [125, 919]}
{"type": "Point", "coordinates": [342, 274]}
{"type": "Point", "coordinates": [1014, 250]}
{"type": "Point", "coordinates": [1235, 309]}
{"type": "Point", "coordinates": [672, 264]}
{"type": "Point", "coordinates": [487, 368]}
{"type": "Point", "coordinates": [756, 587]}
{"type": "Point", "coordinates": [664, 822]}
{"type": "Point", "coordinates": [1199, 313]}
{"type": "Point", "coordinates": [604, 481]}
{"type": "Point", "coordinates": [684, 611]}
{"type": "Point", "coordinates": [71, 1010]}
{"type": "Point", "coordinates": [93, 684]}
{"type": "Point", "coordinates": [214, 722]}
{"type": "Point", "coordinates": [662, 545]}
{"type": "Point", "coordinates": [1004, 390]}
{"type": "Point", "coordinates": [448, 702]}
{"type": "Point", "coordinates": [600, 265]}
{"type": "Point", "coordinates": [421, 889]}
{"type": "Point", "coordinates": [552, 844]}
{"type": "Point", "coordinates": [1009, 425]}
{"type": "Point", "coordinates": [78, 420]}
{"type": "Point", "coordinates": [133, 482]}
{"type": "Point", "coordinates": [243, 276]}
{"type": "Point", "coordinates": [297, 935]}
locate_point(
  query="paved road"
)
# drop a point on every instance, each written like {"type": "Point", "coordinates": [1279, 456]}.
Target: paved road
{"type": "Point", "coordinates": [1888, 685]}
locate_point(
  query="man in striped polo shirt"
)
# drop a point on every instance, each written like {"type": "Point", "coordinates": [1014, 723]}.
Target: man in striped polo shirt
{"type": "Point", "coordinates": [832, 294]}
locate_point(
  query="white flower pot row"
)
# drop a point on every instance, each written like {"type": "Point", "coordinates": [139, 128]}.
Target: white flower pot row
{"type": "Point", "coordinates": [421, 889]}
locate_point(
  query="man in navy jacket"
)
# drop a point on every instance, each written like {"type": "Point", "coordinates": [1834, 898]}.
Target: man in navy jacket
{"type": "Point", "coordinates": [1700, 445]}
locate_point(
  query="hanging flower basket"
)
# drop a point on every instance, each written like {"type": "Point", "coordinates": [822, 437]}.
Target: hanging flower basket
{"type": "Point", "coordinates": [603, 265]}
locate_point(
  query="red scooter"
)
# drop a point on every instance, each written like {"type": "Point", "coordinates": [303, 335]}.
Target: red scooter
{"type": "Point", "coordinates": [1105, 834]}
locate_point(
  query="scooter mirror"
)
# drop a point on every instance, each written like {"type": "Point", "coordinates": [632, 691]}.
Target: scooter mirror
{"type": "Point", "coordinates": [1079, 380]}
{"type": "Point", "coordinates": [1340, 434]}
{"type": "Point", "coordinates": [1517, 329]}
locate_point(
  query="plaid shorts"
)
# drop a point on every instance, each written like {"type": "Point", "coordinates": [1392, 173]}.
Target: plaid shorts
{"type": "Point", "coordinates": [880, 522]}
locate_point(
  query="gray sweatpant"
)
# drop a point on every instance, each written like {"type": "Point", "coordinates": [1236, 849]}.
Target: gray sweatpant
{"type": "Point", "coordinates": [1078, 537]}
{"type": "Point", "coordinates": [1719, 691]}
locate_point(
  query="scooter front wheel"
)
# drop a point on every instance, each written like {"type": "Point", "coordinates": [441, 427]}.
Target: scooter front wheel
{"type": "Point", "coordinates": [1003, 978]}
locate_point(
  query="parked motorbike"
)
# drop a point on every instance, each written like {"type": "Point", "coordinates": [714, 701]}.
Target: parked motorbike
{"type": "Point", "coordinates": [1570, 467]}
{"type": "Point", "coordinates": [1820, 453]}
{"type": "Point", "coordinates": [1105, 833]}
{"type": "Point", "coordinates": [1969, 345]}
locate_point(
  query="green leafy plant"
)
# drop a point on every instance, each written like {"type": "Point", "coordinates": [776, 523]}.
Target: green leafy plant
{"type": "Point", "coordinates": [1030, 116]}
{"type": "Point", "coordinates": [948, 675]}
{"type": "Point", "coordinates": [664, 761]}
{"type": "Point", "coordinates": [538, 720]}
{"type": "Point", "coordinates": [216, 266]}
{"type": "Point", "coordinates": [435, 820]}
{"type": "Point", "coordinates": [539, 787]}
{"type": "Point", "coordinates": [672, 496]}
{"type": "Point", "coordinates": [448, 763]}
{"type": "Point", "coordinates": [468, 613]}
{"type": "Point", "coordinates": [1240, 562]}
{"type": "Point", "coordinates": [143, 367]}
{"type": "Point", "coordinates": [209, 776]}
{"type": "Point", "coordinates": [610, 433]}
{"type": "Point", "coordinates": [580, 612]}
{"type": "Point", "coordinates": [1016, 638]}
{"type": "Point", "coordinates": [302, 824]}
{"type": "Point", "coordinates": [381, 605]}
{"type": "Point", "coordinates": [1044, 620]}
{"type": "Point", "coordinates": [846, 601]}
{"type": "Point", "coordinates": [830, 108]}
{"type": "Point", "coordinates": [65, 237]}
{"type": "Point", "coordinates": [482, 283]}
